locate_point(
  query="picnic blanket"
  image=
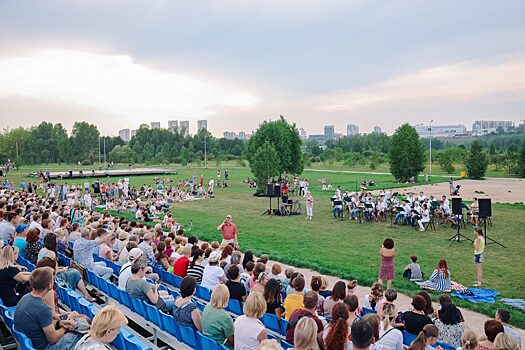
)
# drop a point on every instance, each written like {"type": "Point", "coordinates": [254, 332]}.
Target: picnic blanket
{"type": "Point", "coordinates": [517, 303]}
{"type": "Point", "coordinates": [477, 295]}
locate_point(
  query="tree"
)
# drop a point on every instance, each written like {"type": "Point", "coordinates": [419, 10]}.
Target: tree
{"type": "Point", "coordinates": [264, 165]}
{"type": "Point", "coordinates": [286, 142]}
{"type": "Point", "coordinates": [477, 161]}
{"type": "Point", "coordinates": [84, 142]}
{"type": "Point", "coordinates": [521, 161]}
{"type": "Point", "coordinates": [407, 155]}
{"type": "Point", "coordinates": [444, 160]}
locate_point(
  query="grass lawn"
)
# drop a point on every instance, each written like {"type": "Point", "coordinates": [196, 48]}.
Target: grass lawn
{"type": "Point", "coordinates": [349, 249]}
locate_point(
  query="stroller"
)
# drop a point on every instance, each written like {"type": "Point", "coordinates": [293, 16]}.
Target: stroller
{"type": "Point", "coordinates": [456, 190]}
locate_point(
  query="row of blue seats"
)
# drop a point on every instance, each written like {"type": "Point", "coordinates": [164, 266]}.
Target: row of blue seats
{"type": "Point", "coordinates": [408, 338]}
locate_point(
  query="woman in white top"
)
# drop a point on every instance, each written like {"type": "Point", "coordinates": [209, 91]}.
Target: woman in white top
{"type": "Point", "coordinates": [249, 330]}
{"type": "Point", "coordinates": [425, 217]}
{"type": "Point", "coordinates": [104, 329]}
{"type": "Point", "coordinates": [390, 338]}
{"type": "Point", "coordinates": [213, 275]}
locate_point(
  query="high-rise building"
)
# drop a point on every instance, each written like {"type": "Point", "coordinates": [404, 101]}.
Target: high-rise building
{"type": "Point", "coordinates": [352, 129]}
{"type": "Point", "coordinates": [202, 124]}
{"type": "Point", "coordinates": [377, 130]}
{"type": "Point", "coordinates": [230, 135]}
{"type": "Point", "coordinates": [329, 131]}
{"type": "Point", "coordinates": [482, 127]}
{"type": "Point", "coordinates": [302, 134]}
{"type": "Point", "coordinates": [155, 125]}
{"type": "Point", "coordinates": [184, 128]}
{"type": "Point", "coordinates": [441, 130]}
{"type": "Point", "coordinates": [133, 133]}
{"type": "Point", "coordinates": [124, 134]}
{"type": "Point", "coordinates": [173, 125]}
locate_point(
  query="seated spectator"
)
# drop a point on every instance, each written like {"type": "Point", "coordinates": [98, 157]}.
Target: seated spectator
{"type": "Point", "coordinates": [288, 272]}
{"type": "Point", "coordinates": [248, 257]}
{"type": "Point", "coordinates": [336, 334]}
{"type": "Point", "coordinates": [429, 309]}
{"type": "Point", "coordinates": [235, 288]}
{"type": "Point", "coordinates": [308, 310]}
{"type": "Point", "coordinates": [161, 260]}
{"type": "Point", "coordinates": [505, 341]}
{"type": "Point", "coordinates": [338, 295]}
{"type": "Point", "coordinates": [196, 269]}
{"type": "Point", "coordinates": [185, 311]}
{"type": "Point", "coordinates": [181, 265]}
{"type": "Point", "coordinates": [390, 338]}
{"type": "Point", "coordinates": [83, 253]}
{"type": "Point", "coordinates": [416, 319]}
{"type": "Point", "coordinates": [449, 325]}
{"type": "Point", "coordinates": [227, 253]}
{"type": "Point", "coordinates": [247, 275]}
{"type": "Point", "coordinates": [213, 275]}
{"type": "Point", "coordinates": [147, 249]}
{"type": "Point", "coordinates": [75, 232]}
{"type": "Point", "coordinates": [20, 239]}
{"type": "Point", "coordinates": [427, 337]}
{"type": "Point", "coordinates": [122, 240]}
{"type": "Point", "coordinates": [13, 278]}
{"type": "Point", "coordinates": [34, 318]}
{"type": "Point", "coordinates": [492, 329]}
{"type": "Point", "coordinates": [440, 278]}
{"type": "Point", "coordinates": [352, 302]}
{"type": "Point", "coordinates": [362, 335]}
{"type": "Point", "coordinates": [413, 270]}
{"type": "Point", "coordinates": [469, 341]}
{"type": "Point", "coordinates": [305, 335]}
{"type": "Point", "coordinates": [444, 299]}
{"type": "Point", "coordinates": [33, 245]}
{"type": "Point", "coordinates": [216, 322]}
{"type": "Point", "coordinates": [272, 295]}
{"type": "Point", "coordinates": [138, 287]}
{"type": "Point", "coordinates": [104, 329]}
{"type": "Point", "coordinates": [503, 316]}
{"type": "Point", "coordinates": [106, 250]}
{"type": "Point", "coordinates": [50, 247]}
{"type": "Point", "coordinates": [374, 321]}
{"type": "Point", "coordinates": [125, 270]}
{"type": "Point", "coordinates": [315, 285]}
{"type": "Point", "coordinates": [235, 260]}
{"type": "Point", "coordinates": [249, 331]}
{"type": "Point", "coordinates": [374, 297]}
{"type": "Point", "coordinates": [259, 268]}
{"type": "Point", "coordinates": [261, 282]}
{"type": "Point", "coordinates": [276, 272]}
{"type": "Point", "coordinates": [294, 300]}
{"type": "Point", "coordinates": [132, 243]}
{"type": "Point", "coordinates": [390, 297]}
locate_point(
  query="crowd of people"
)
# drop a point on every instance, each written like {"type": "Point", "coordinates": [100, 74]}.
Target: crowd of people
{"type": "Point", "coordinates": [41, 228]}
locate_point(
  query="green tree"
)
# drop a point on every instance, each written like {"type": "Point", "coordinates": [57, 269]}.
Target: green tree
{"type": "Point", "coordinates": [444, 159]}
{"type": "Point", "coordinates": [407, 155]}
{"type": "Point", "coordinates": [477, 161]}
{"type": "Point", "coordinates": [84, 142]}
{"type": "Point", "coordinates": [521, 161]}
{"type": "Point", "coordinates": [286, 141]}
{"type": "Point", "coordinates": [264, 165]}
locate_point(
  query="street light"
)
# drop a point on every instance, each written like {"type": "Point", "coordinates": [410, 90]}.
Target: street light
{"type": "Point", "coordinates": [430, 151]}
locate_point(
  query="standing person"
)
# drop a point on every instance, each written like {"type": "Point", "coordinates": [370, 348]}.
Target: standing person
{"type": "Point", "coordinates": [309, 206]}
{"type": "Point", "coordinates": [451, 186]}
{"type": "Point", "coordinates": [387, 270]}
{"type": "Point", "coordinates": [479, 248]}
{"type": "Point", "coordinates": [229, 232]}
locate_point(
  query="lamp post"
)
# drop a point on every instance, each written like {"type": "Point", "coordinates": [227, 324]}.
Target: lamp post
{"type": "Point", "coordinates": [430, 149]}
{"type": "Point", "coordinates": [205, 155]}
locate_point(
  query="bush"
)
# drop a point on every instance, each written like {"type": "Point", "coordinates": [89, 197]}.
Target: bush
{"type": "Point", "coordinates": [86, 162]}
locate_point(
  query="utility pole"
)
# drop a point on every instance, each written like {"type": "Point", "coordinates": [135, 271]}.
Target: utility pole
{"type": "Point", "coordinates": [430, 150]}
{"type": "Point", "coordinates": [105, 163]}
{"type": "Point", "coordinates": [205, 155]}
{"type": "Point", "coordinates": [99, 151]}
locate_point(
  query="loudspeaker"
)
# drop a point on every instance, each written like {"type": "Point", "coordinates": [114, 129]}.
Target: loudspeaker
{"type": "Point", "coordinates": [456, 206]}
{"type": "Point", "coordinates": [277, 190]}
{"type": "Point", "coordinates": [269, 190]}
{"type": "Point", "coordinates": [485, 207]}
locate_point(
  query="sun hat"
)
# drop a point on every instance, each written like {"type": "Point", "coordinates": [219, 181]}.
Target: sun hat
{"type": "Point", "coordinates": [122, 235]}
{"type": "Point", "coordinates": [134, 253]}
{"type": "Point", "coordinates": [21, 228]}
{"type": "Point", "coordinates": [214, 257]}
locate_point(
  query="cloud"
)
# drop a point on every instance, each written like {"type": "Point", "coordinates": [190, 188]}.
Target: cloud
{"type": "Point", "coordinates": [464, 81]}
{"type": "Point", "coordinates": [117, 85]}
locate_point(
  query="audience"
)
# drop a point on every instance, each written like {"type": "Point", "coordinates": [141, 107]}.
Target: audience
{"type": "Point", "coordinates": [503, 316]}
{"type": "Point", "coordinates": [505, 341]}
{"type": "Point", "coordinates": [308, 310]}
{"type": "Point", "coordinates": [294, 300]}
{"type": "Point", "coordinates": [390, 338]}
{"type": "Point", "coordinates": [104, 329]}
{"type": "Point", "coordinates": [33, 245]}
{"type": "Point", "coordinates": [337, 296]}
{"type": "Point", "coordinates": [216, 323]}
{"type": "Point", "coordinates": [427, 337]}
{"type": "Point", "coordinates": [196, 269]}
{"type": "Point", "coordinates": [305, 335]}
{"type": "Point", "coordinates": [236, 289]}
{"type": "Point", "coordinates": [185, 311]}
{"type": "Point", "coordinates": [469, 341]}
{"type": "Point", "coordinates": [13, 278]}
{"type": "Point", "coordinates": [248, 329]}
{"type": "Point", "coordinates": [492, 329]}
{"type": "Point", "coordinates": [449, 325]}
{"type": "Point", "coordinates": [416, 319]}
{"type": "Point", "coordinates": [336, 334]}
{"type": "Point", "coordinates": [362, 334]}
{"type": "Point", "coordinates": [213, 275]}
{"type": "Point", "coordinates": [138, 287]}
{"type": "Point", "coordinates": [273, 297]}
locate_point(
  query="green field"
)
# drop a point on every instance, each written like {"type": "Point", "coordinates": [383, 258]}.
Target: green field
{"type": "Point", "coordinates": [349, 249]}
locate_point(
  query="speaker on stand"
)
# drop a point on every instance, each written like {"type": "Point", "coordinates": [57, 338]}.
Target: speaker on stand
{"type": "Point", "coordinates": [485, 213]}
{"type": "Point", "coordinates": [457, 210]}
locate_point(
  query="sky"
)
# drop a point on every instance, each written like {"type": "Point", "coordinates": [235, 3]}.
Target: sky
{"type": "Point", "coordinates": [119, 64]}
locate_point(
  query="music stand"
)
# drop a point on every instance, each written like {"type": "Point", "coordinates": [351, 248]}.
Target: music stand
{"type": "Point", "coordinates": [369, 206]}
{"type": "Point", "coordinates": [339, 202]}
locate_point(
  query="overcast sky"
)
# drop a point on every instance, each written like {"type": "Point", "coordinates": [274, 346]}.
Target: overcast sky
{"type": "Point", "coordinates": [235, 63]}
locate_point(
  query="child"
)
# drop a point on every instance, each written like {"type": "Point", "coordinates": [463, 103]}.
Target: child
{"type": "Point", "coordinates": [276, 272]}
{"type": "Point", "coordinates": [469, 341]}
{"type": "Point", "coordinates": [288, 272]}
{"type": "Point", "coordinates": [413, 270]}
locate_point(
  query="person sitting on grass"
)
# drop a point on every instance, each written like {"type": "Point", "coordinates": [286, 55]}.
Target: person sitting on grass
{"type": "Point", "coordinates": [413, 270]}
{"type": "Point", "coordinates": [440, 278]}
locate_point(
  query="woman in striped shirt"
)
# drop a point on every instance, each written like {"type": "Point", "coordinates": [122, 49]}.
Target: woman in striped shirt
{"type": "Point", "coordinates": [440, 279]}
{"type": "Point", "coordinates": [196, 269]}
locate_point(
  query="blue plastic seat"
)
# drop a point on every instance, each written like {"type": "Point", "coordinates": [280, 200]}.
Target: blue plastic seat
{"type": "Point", "coordinates": [92, 311]}
{"type": "Point", "coordinates": [134, 343]}
{"type": "Point", "coordinates": [206, 343]}
{"type": "Point", "coordinates": [92, 278]}
{"type": "Point", "coordinates": [28, 344]}
{"type": "Point", "coordinates": [203, 293]}
{"type": "Point", "coordinates": [234, 307]}
{"type": "Point", "coordinates": [8, 318]}
{"type": "Point", "coordinates": [176, 280]}
{"type": "Point", "coordinates": [114, 292]}
{"type": "Point", "coordinates": [152, 314]}
{"type": "Point", "coordinates": [170, 325]}
{"type": "Point", "coordinates": [120, 340]}
{"type": "Point", "coordinates": [74, 298]}
{"type": "Point", "coordinates": [224, 347]}
{"type": "Point", "coordinates": [285, 345]}
{"type": "Point", "coordinates": [408, 338]}
{"type": "Point", "coordinates": [188, 337]}
{"type": "Point", "coordinates": [103, 284]}
{"type": "Point", "coordinates": [284, 326]}
{"type": "Point", "coordinates": [367, 311]}
{"type": "Point", "coordinates": [84, 306]}
{"type": "Point", "coordinates": [271, 322]}
{"type": "Point", "coordinates": [200, 305]}
{"type": "Point", "coordinates": [138, 306]}
{"type": "Point", "coordinates": [173, 293]}
{"type": "Point", "coordinates": [125, 298]}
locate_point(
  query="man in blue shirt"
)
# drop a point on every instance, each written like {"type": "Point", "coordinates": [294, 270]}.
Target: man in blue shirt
{"type": "Point", "coordinates": [83, 253]}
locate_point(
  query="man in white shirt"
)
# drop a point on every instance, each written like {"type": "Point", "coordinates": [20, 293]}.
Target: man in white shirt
{"type": "Point", "coordinates": [88, 201]}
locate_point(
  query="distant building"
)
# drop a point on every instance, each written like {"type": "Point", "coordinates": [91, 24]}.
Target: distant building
{"type": "Point", "coordinates": [482, 127]}
{"type": "Point", "coordinates": [155, 125]}
{"type": "Point", "coordinates": [184, 126]}
{"type": "Point", "coordinates": [352, 129]}
{"type": "Point", "coordinates": [173, 125]}
{"type": "Point", "coordinates": [320, 139]}
{"type": "Point", "coordinates": [230, 135]}
{"type": "Point", "coordinates": [378, 130]}
{"type": "Point", "coordinates": [202, 124]}
{"type": "Point", "coordinates": [124, 134]}
{"type": "Point", "coordinates": [329, 131]}
{"type": "Point", "coordinates": [302, 134]}
{"type": "Point", "coordinates": [441, 130]}
{"type": "Point", "coordinates": [133, 133]}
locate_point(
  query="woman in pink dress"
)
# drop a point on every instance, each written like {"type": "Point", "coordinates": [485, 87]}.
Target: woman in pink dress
{"type": "Point", "coordinates": [387, 270]}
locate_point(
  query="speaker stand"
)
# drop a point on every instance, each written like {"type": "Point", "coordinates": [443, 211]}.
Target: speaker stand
{"type": "Point", "coordinates": [268, 211]}
{"type": "Point", "coordinates": [458, 235]}
{"type": "Point", "coordinates": [487, 238]}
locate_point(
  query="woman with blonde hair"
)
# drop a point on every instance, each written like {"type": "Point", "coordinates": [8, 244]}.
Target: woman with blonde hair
{"type": "Point", "coordinates": [505, 341]}
{"type": "Point", "coordinates": [469, 341]}
{"type": "Point", "coordinates": [305, 335]}
{"type": "Point", "coordinates": [104, 329]}
{"type": "Point", "coordinates": [215, 321]}
{"type": "Point", "coordinates": [11, 277]}
{"type": "Point", "coordinates": [390, 338]}
{"type": "Point", "coordinates": [426, 338]}
{"type": "Point", "coordinates": [249, 330]}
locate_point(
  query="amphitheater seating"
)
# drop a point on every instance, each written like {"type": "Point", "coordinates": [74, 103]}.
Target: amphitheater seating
{"type": "Point", "coordinates": [206, 343]}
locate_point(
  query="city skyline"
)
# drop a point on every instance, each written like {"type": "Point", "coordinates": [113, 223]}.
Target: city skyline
{"type": "Point", "coordinates": [322, 63]}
